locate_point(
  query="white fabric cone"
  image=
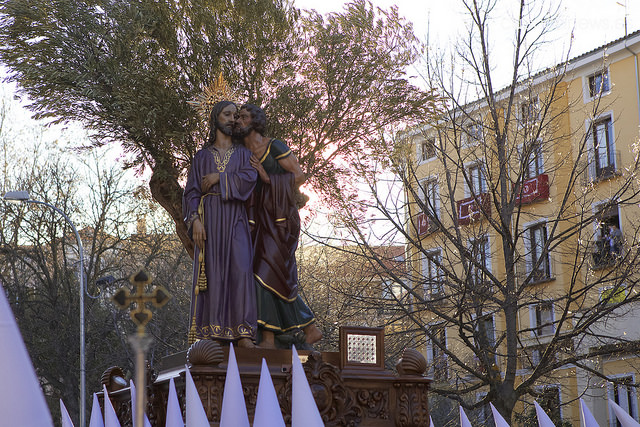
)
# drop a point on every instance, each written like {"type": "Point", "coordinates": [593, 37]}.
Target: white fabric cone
{"type": "Point", "coordinates": [174, 414]}
{"type": "Point", "coordinates": [430, 422]}
{"type": "Point", "coordinates": [234, 410]}
{"type": "Point", "coordinates": [267, 413]}
{"type": "Point", "coordinates": [22, 402]}
{"type": "Point", "coordinates": [64, 415]}
{"type": "Point", "coordinates": [96, 414]}
{"type": "Point", "coordinates": [497, 418]}
{"type": "Point", "coordinates": [543, 418]}
{"type": "Point", "coordinates": [110, 417]}
{"type": "Point", "coordinates": [625, 419]}
{"type": "Point", "coordinates": [464, 420]}
{"type": "Point", "coordinates": [196, 416]}
{"type": "Point", "coordinates": [304, 410]}
{"type": "Point", "coordinates": [586, 417]}
{"type": "Point", "coordinates": [134, 398]}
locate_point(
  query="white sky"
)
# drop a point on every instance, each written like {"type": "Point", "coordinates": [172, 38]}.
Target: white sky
{"type": "Point", "coordinates": [593, 22]}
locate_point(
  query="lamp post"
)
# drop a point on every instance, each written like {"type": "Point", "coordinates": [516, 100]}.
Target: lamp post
{"type": "Point", "coordinates": [23, 196]}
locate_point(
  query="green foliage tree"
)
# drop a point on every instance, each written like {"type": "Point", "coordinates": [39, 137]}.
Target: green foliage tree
{"type": "Point", "coordinates": [127, 70]}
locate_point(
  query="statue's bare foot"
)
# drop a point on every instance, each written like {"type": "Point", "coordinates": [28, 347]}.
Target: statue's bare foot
{"type": "Point", "coordinates": [268, 340]}
{"type": "Point", "coordinates": [312, 333]}
{"type": "Point", "coordinates": [246, 343]}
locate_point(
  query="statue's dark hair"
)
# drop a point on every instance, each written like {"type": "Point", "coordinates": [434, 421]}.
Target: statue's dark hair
{"type": "Point", "coordinates": [213, 119]}
{"type": "Point", "coordinates": [258, 118]}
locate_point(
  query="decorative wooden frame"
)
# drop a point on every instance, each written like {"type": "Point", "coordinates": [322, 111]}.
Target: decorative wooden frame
{"type": "Point", "coordinates": [366, 359]}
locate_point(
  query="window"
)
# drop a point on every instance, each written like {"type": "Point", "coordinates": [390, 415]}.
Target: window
{"type": "Point", "coordinates": [472, 133]}
{"type": "Point", "coordinates": [549, 400]}
{"type": "Point", "coordinates": [486, 326]}
{"type": "Point", "coordinates": [601, 136]}
{"type": "Point", "coordinates": [531, 356]}
{"type": "Point", "coordinates": [542, 319]}
{"type": "Point", "coordinates": [623, 393]}
{"type": "Point", "coordinates": [529, 112]}
{"type": "Point", "coordinates": [433, 276]}
{"type": "Point", "coordinates": [428, 149]}
{"type": "Point", "coordinates": [479, 262]}
{"type": "Point", "coordinates": [436, 357]}
{"type": "Point", "coordinates": [431, 198]}
{"type": "Point", "coordinates": [532, 158]}
{"type": "Point", "coordinates": [538, 263]}
{"type": "Point", "coordinates": [599, 83]}
{"type": "Point", "coordinates": [609, 239]}
{"type": "Point", "coordinates": [392, 290]}
{"type": "Point", "coordinates": [477, 181]}
{"type": "Point", "coordinates": [489, 329]}
{"type": "Point", "coordinates": [475, 133]}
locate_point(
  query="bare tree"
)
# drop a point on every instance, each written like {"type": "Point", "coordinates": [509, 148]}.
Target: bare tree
{"type": "Point", "coordinates": [346, 288]}
{"type": "Point", "coordinates": [510, 287]}
{"type": "Point", "coordinates": [39, 263]}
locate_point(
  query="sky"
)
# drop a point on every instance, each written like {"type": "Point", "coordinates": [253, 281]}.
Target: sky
{"type": "Point", "coordinates": [592, 22]}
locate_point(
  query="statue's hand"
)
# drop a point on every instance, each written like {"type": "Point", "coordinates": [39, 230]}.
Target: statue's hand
{"type": "Point", "coordinates": [264, 176]}
{"type": "Point", "coordinates": [209, 181]}
{"type": "Point", "coordinates": [199, 235]}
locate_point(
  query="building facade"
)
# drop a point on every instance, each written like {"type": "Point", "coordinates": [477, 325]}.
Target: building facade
{"type": "Point", "coordinates": [524, 230]}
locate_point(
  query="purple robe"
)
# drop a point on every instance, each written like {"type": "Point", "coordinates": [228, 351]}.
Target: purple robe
{"type": "Point", "coordinates": [227, 308]}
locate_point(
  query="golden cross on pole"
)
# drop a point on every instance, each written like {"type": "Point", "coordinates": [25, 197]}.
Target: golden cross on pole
{"type": "Point", "coordinates": [140, 315]}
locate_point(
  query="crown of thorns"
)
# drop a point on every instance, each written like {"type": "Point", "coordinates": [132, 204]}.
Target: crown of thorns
{"type": "Point", "coordinates": [212, 94]}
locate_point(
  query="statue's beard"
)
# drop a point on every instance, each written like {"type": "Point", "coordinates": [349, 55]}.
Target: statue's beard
{"type": "Point", "coordinates": [226, 129]}
{"type": "Point", "coordinates": [241, 132]}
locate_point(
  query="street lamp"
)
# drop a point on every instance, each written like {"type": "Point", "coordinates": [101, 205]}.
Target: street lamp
{"type": "Point", "coordinates": [23, 196]}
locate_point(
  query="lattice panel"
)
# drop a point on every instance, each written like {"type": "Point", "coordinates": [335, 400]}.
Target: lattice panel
{"type": "Point", "coordinates": [361, 348]}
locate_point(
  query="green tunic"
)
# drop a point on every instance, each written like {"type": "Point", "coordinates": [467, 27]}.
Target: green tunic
{"type": "Point", "coordinates": [279, 311]}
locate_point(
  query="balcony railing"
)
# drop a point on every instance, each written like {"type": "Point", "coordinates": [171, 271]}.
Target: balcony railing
{"type": "Point", "coordinates": [471, 208]}
{"type": "Point", "coordinates": [533, 189]}
{"type": "Point", "coordinates": [596, 172]}
{"type": "Point", "coordinates": [604, 255]}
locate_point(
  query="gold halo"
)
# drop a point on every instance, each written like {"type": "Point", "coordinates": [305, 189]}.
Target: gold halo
{"type": "Point", "coordinates": [212, 94]}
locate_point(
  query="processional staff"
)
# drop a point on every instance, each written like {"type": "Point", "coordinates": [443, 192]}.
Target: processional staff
{"type": "Point", "coordinates": [140, 315]}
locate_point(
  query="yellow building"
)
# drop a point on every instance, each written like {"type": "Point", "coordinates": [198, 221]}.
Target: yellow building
{"type": "Point", "coordinates": [524, 214]}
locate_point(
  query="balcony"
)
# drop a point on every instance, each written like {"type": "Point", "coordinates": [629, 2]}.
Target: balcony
{"type": "Point", "coordinates": [424, 225]}
{"type": "Point", "coordinates": [471, 208]}
{"type": "Point", "coordinates": [604, 170]}
{"type": "Point", "coordinates": [604, 255]}
{"type": "Point", "coordinates": [533, 189]}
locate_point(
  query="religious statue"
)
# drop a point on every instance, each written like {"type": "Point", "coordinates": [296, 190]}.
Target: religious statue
{"type": "Point", "coordinates": [275, 221]}
{"type": "Point", "coordinates": [221, 179]}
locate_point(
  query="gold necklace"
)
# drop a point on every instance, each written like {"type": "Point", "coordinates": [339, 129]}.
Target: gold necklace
{"type": "Point", "coordinates": [221, 164]}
